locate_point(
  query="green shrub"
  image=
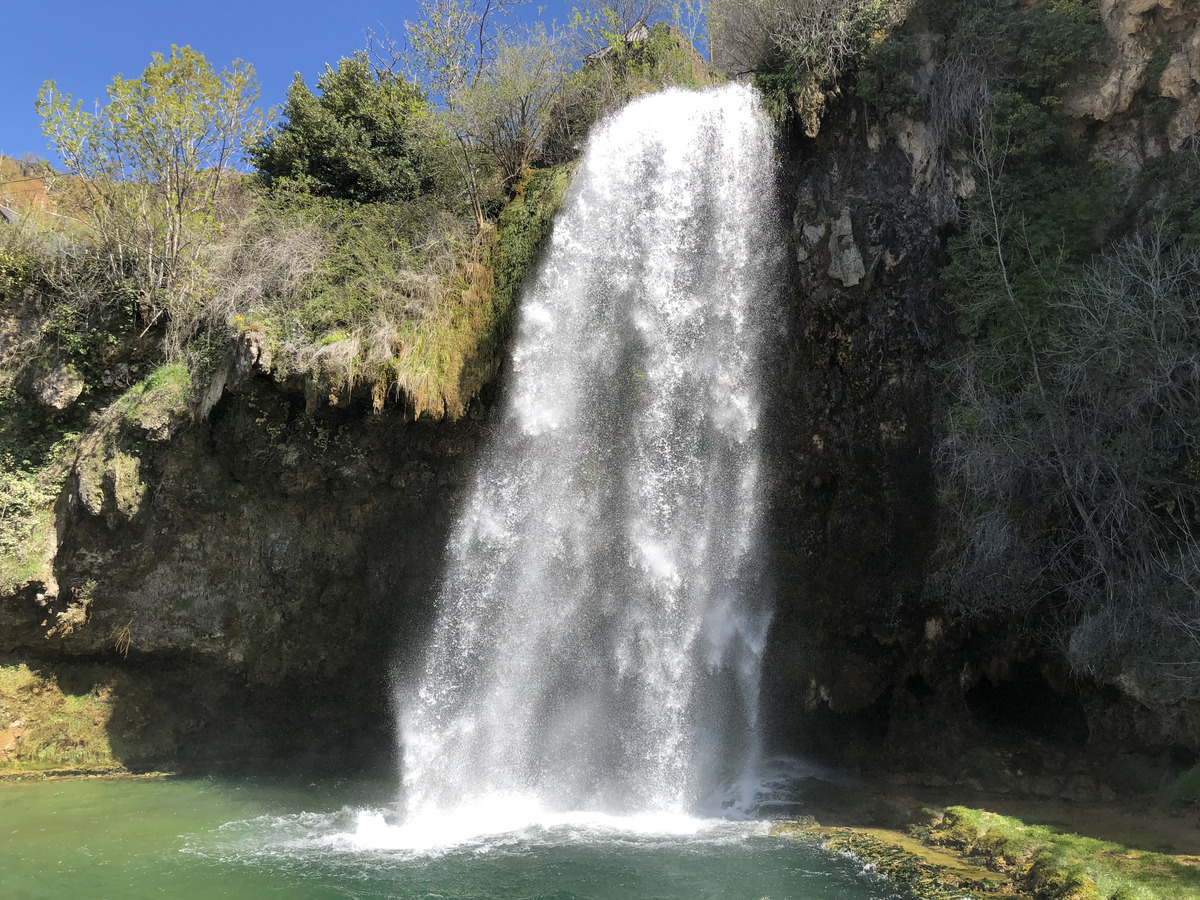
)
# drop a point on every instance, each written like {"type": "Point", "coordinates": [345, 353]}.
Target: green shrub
{"type": "Point", "coordinates": [884, 76]}
{"type": "Point", "coordinates": [1031, 229]}
{"type": "Point", "coordinates": [397, 298]}
{"type": "Point", "coordinates": [365, 137]}
{"type": "Point", "coordinates": [1076, 481]}
{"type": "Point", "coordinates": [36, 452]}
{"type": "Point", "coordinates": [522, 230]}
{"type": "Point", "coordinates": [1171, 184]}
{"type": "Point", "coordinates": [1059, 41]}
{"type": "Point", "coordinates": [801, 52]}
{"type": "Point", "coordinates": [1186, 786]}
{"type": "Point", "coordinates": [17, 270]}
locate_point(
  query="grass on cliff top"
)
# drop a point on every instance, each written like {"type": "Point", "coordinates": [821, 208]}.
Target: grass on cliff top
{"type": "Point", "coordinates": [108, 462]}
{"type": "Point", "coordinates": [168, 389]}
{"type": "Point", "coordinates": [1054, 865]}
{"type": "Point", "coordinates": [393, 299]}
{"type": "Point", "coordinates": [447, 355]}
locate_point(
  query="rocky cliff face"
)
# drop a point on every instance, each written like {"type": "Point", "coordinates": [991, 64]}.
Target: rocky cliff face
{"type": "Point", "coordinates": [249, 582]}
{"type": "Point", "coordinates": [860, 399]}
{"type": "Point", "coordinates": [866, 664]}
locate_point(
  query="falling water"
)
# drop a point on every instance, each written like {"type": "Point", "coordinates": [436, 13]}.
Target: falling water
{"type": "Point", "coordinates": [602, 618]}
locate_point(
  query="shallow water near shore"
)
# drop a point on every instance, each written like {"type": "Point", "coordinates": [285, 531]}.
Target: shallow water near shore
{"type": "Point", "coordinates": [193, 838]}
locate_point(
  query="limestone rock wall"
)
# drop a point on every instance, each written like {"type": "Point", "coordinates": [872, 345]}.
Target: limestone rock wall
{"type": "Point", "coordinates": [865, 666]}
{"type": "Point", "coordinates": [859, 400]}
{"type": "Point", "coordinates": [258, 580]}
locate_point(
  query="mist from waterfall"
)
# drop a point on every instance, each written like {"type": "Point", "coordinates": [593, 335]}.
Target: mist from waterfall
{"type": "Point", "coordinates": [603, 614]}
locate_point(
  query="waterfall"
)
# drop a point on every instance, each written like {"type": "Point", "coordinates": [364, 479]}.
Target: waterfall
{"type": "Point", "coordinates": [603, 613]}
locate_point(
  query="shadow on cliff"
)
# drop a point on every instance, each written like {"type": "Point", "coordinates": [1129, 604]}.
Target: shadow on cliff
{"type": "Point", "coordinates": [854, 406]}
{"type": "Point", "coordinates": [145, 714]}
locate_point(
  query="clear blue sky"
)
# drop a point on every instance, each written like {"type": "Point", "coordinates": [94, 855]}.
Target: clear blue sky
{"type": "Point", "coordinates": [83, 44]}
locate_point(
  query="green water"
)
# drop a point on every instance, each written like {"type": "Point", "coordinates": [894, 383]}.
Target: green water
{"type": "Point", "coordinates": [84, 839]}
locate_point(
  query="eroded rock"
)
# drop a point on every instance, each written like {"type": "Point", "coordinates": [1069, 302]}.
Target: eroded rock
{"type": "Point", "coordinates": [58, 388]}
{"type": "Point", "coordinates": [845, 259]}
{"type": "Point", "coordinates": [919, 143]}
{"type": "Point", "coordinates": [1181, 81]}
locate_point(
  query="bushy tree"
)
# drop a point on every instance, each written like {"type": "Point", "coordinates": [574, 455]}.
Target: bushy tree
{"type": "Point", "coordinates": [817, 36]}
{"type": "Point", "coordinates": [363, 136]}
{"type": "Point", "coordinates": [507, 110]}
{"type": "Point", "coordinates": [608, 80]}
{"type": "Point", "coordinates": [798, 49]}
{"type": "Point", "coordinates": [151, 165]}
{"type": "Point", "coordinates": [628, 15]}
{"type": "Point", "coordinates": [610, 24]}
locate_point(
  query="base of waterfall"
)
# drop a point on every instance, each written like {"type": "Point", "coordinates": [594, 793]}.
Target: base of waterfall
{"type": "Point", "coordinates": [506, 821]}
{"type": "Point", "coordinates": [744, 809]}
{"type": "Point", "coordinates": [194, 839]}
{"type": "Point", "coordinates": [756, 797]}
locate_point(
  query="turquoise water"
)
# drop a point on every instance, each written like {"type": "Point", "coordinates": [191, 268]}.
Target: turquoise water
{"type": "Point", "coordinates": [201, 838]}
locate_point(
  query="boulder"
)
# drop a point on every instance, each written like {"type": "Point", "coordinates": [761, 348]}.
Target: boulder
{"type": "Point", "coordinates": [58, 388]}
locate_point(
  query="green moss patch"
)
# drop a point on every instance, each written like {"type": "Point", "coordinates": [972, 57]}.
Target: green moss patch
{"type": "Point", "coordinates": [446, 357]}
{"type": "Point", "coordinates": [36, 451]}
{"type": "Point", "coordinates": [1056, 865]}
{"type": "Point", "coordinates": [960, 852]}
{"type": "Point", "coordinates": [392, 299]}
{"type": "Point", "coordinates": [46, 729]}
{"type": "Point", "coordinates": [108, 465]}
{"type": "Point", "coordinates": [923, 873]}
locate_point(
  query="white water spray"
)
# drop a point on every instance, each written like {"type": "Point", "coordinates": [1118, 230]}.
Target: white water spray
{"type": "Point", "coordinates": [602, 618]}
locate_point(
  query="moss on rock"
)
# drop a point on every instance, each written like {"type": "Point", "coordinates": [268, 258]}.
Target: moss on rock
{"type": "Point", "coordinates": [108, 477]}
{"type": "Point", "coordinates": [960, 852]}
{"type": "Point", "coordinates": [46, 728]}
{"type": "Point", "coordinates": [906, 865]}
{"type": "Point", "coordinates": [1048, 864]}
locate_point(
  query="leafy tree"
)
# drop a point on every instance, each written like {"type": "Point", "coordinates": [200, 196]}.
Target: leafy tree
{"type": "Point", "coordinates": [452, 41]}
{"type": "Point", "coordinates": [628, 15]}
{"type": "Point", "coordinates": [613, 23]}
{"type": "Point", "coordinates": [692, 17]}
{"type": "Point", "coordinates": [363, 138]}
{"type": "Point", "coordinates": [152, 165]}
{"type": "Point", "coordinates": [507, 110]}
{"type": "Point", "coordinates": [447, 49]}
